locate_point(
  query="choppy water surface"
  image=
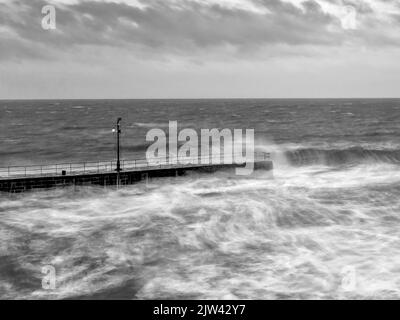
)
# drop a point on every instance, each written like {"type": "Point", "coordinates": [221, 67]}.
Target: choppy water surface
{"type": "Point", "coordinates": [324, 225]}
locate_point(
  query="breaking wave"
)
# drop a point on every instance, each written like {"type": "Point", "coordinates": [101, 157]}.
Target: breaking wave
{"type": "Point", "coordinates": [333, 157]}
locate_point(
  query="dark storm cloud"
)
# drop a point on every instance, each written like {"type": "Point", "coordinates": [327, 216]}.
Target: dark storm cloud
{"type": "Point", "coordinates": [184, 27]}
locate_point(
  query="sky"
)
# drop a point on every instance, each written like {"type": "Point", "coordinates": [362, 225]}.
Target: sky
{"type": "Point", "coordinates": [120, 49]}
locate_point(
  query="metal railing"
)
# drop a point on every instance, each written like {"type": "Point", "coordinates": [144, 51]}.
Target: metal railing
{"type": "Point", "coordinates": [110, 166]}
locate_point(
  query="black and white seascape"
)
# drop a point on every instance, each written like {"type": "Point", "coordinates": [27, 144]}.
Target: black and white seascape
{"type": "Point", "coordinates": [315, 80]}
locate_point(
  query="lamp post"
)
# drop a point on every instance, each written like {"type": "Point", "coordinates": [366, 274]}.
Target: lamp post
{"type": "Point", "coordinates": [118, 148]}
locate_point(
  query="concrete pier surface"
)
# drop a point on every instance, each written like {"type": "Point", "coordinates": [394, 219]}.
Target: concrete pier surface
{"type": "Point", "coordinates": [21, 179]}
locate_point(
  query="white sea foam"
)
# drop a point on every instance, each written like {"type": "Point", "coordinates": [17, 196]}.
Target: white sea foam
{"type": "Point", "coordinates": [293, 235]}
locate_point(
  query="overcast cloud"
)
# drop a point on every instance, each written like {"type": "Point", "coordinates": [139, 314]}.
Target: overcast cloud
{"type": "Point", "coordinates": [200, 48]}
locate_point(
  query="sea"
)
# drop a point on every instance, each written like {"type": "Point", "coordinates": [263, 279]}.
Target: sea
{"type": "Point", "coordinates": [324, 224]}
